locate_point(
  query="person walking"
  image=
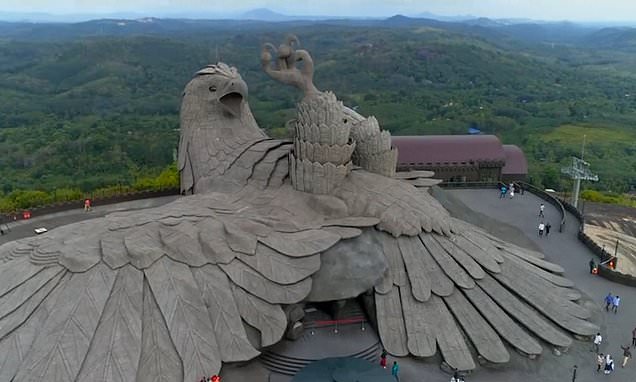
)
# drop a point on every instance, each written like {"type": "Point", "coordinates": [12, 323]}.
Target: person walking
{"type": "Point", "coordinates": [547, 229]}
{"type": "Point", "coordinates": [615, 303]}
{"type": "Point", "coordinates": [592, 266]}
{"type": "Point", "coordinates": [609, 300]}
{"type": "Point", "coordinates": [541, 229]}
{"type": "Point", "coordinates": [457, 377]}
{"type": "Point", "coordinates": [598, 339]}
{"type": "Point", "coordinates": [383, 359]}
{"type": "Point", "coordinates": [502, 192]}
{"type": "Point", "coordinates": [627, 354]}
{"type": "Point", "coordinates": [395, 371]}
{"type": "Point", "coordinates": [600, 361]}
{"type": "Point", "coordinates": [634, 337]}
{"type": "Point", "coordinates": [609, 364]}
{"type": "Point", "coordinates": [541, 209]}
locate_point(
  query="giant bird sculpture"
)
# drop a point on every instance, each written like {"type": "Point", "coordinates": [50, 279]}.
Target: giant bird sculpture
{"type": "Point", "coordinates": [170, 293]}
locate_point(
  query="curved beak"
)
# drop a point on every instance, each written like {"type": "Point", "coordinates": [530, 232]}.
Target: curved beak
{"type": "Point", "coordinates": [232, 96]}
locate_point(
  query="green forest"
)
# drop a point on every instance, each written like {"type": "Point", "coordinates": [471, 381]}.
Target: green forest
{"type": "Point", "coordinates": [95, 105]}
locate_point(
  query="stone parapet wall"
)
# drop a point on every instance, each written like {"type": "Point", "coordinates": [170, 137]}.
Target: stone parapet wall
{"type": "Point", "coordinates": [603, 270]}
{"type": "Point", "coordinates": [603, 256]}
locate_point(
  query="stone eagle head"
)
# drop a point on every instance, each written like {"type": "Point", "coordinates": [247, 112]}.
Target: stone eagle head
{"type": "Point", "coordinates": [216, 122]}
{"type": "Point", "coordinates": [217, 88]}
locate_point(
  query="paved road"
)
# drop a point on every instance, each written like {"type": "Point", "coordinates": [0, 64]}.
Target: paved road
{"type": "Point", "coordinates": [24, 228]}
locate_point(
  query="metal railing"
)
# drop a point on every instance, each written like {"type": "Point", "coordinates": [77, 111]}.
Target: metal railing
{"type": "Point", "coordinates": [548, 197]}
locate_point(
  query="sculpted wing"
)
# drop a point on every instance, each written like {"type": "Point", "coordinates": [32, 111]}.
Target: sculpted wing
{"type": "Point", "coordinates": [468, 295]}
{"type": "Point", "coordinates": [452, 287]}
{"type": "Point", "coordinates": [165, 294]}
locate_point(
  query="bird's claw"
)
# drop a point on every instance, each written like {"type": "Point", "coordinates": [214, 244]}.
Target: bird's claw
{"type": "Point", "coordinates": [286, 69]}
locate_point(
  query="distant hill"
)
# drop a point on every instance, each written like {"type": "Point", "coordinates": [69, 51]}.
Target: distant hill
{"type": "Point", "coordinates": [433, 16]}
{"type": "Point", "coordinates": [96, 103]}
{"type": "Point", "coordinates": [623, 38]}
{"type": "Point", "coordinates": [43, 17]}
{"type": "Point", "coordinates": [264, 14]}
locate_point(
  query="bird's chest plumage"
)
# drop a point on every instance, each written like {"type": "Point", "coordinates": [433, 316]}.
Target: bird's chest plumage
{"type": "Point", "coordinates": [212, 148]}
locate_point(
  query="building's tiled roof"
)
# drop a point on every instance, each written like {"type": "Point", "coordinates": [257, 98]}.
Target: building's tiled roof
{"type": "Point", "coordinates": [516, 162]}
{"type": "Point", "coordinates": [448, 149]}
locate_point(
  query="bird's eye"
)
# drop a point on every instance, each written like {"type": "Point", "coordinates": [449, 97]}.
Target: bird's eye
{"type": "Point", "coordinates": [212, 88]}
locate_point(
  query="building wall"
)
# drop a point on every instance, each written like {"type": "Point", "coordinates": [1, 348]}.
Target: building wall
{"type": "Point", "coordinates": [476, 172]}
{"type": "Point", "coordinates": [507, 178]}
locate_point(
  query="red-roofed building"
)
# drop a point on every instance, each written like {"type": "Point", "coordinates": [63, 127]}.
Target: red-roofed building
{"type": "Point", "coordinates": [461, 158]}
{"type": "Point", "coordinates": [516, 167]}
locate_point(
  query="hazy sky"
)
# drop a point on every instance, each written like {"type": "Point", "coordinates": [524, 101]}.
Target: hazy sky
{"type": "Point", "coordinates": [586, 10]}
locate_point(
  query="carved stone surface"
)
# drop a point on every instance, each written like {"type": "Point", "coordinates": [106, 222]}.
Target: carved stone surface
{"type": "Point", "coordinates": [419, 328]}
{"type": "Point", "coordinates": [186, 317]}
{"type": "Point", "coordinates": [63, 342]}
{"type": "Point", "coordinates": [524, 314]}
{"type": "Point", "coordinates": [316, 152]}
{"type": "Point", "coordinates": [411, 247]}
{"type": "Point", "coordinates": [270, 320]}
{"type": "Point", "coordinates": [407, 175]}
{"type": "Point", "coordinates": [172, 292]}
{"type": "Point", "coordinates": [481, 334]}
{"type": "Point", "coordinates": [15, 346]}
{"type": "Point", "coordinates": [449, 266]}
{"type": "Point", "coordinates": [349, 268]}
{"type": "Point", "coordinates": [159, 360]}
{"type": "Point", "coordinates": [391, 323]}
{"type": "Point", "coordinates": [423, 182]}
{"type": "Point", "coordinates": [249, 279]}
{"type": "Point", "coordinates": [502, 323]}
{"type": "Point", "coordinates": [17, 297]}
{"type": "Point", "coordinates": [114, 360]}
{"type": "Point", "coordinates": [14, 316]}
{"type": "Point", "coordinates": [230, 334]}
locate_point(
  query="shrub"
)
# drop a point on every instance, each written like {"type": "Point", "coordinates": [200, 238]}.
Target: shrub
{"type": "Point", "coordinates": [21, 199]}
{"type": "Point", "coordinates": [28, 199]}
